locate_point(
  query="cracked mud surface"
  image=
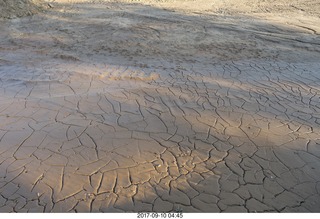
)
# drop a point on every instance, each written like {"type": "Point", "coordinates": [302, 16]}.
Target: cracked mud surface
{"type": "Point", "coordinates": [119, 107]}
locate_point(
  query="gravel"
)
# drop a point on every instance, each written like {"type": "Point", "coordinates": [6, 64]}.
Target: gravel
{"type": "Point", "coordinates": [19, 8]}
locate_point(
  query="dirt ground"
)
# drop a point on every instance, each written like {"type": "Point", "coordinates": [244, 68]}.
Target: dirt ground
{"type": "Point", "coordinates": [167, 106]}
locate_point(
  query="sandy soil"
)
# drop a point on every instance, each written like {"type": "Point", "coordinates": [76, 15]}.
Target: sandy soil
{"type": "Point", "coordinates": [186, 106]}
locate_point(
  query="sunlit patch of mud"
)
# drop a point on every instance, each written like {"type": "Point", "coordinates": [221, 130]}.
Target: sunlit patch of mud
{"type": "Point", "coordinates": [130, 75]}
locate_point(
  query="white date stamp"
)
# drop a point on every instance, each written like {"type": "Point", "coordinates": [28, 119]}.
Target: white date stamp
{"type": "Point", "coordinates": [159, 215]}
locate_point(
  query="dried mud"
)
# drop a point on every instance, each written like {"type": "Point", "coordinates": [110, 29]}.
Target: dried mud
{"type": "Point", "coordinates": [122, 106]}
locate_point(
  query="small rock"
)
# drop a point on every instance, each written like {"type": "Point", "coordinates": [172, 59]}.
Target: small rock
{"type": "Point", "coordinates": [89, 196]}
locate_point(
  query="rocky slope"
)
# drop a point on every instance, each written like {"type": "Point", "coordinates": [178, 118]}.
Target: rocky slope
{"type": "Point", "coordinates": [19, 8]}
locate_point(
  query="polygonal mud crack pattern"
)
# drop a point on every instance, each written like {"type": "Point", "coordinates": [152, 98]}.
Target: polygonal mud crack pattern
{"type": "Point", "coordinates": [234, 136]}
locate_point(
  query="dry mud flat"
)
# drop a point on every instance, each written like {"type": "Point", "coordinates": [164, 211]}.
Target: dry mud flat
{"type": "Point", "coordinates": [127, 107]}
